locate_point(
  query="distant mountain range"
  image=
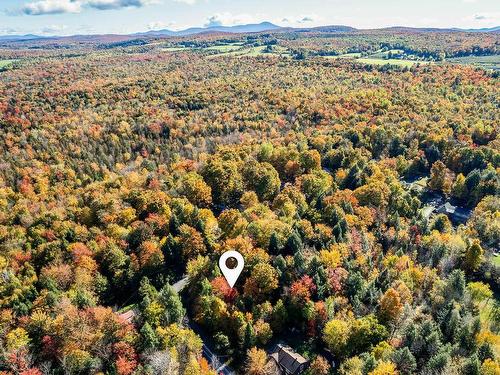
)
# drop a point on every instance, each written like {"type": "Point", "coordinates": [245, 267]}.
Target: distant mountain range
{"type": "Point", "coordinates": [249, 28]}
{"type": "Point", "coordinates": [484, 30]}
{"type": "Point", "coordinates": [436, 29]}
{"type": "Point", "coordinates": [20, 37]}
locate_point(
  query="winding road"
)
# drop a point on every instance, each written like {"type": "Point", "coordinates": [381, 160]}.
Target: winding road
{"type": "Point", "coordinates": [213, 359]}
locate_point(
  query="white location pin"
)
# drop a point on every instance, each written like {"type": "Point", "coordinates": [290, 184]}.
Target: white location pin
{"type": "Point", "coordinates": [231, 274]}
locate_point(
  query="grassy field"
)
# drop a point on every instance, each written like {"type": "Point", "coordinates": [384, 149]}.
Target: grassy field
{"type": "Point", "coordinates": [485, 309]}
{"type": "Point", "coordinates": [486, 62]}
{"type": "Point", "coordinates": [256, 51]}
{"type": "Point", "coordinates": [353, 55]}
{"type": "Point", "coordinates": [496, 260]}
{"type": "Point", "coordinates": [175, 49]}
{"type": "Point", "coordinates": [398, 62]}
{"type": "Point", "coordinates": [235, 52]}
{"type": "Point", "coordinates": [220, 49]}
{"type": "Point", "coordinates": [242, 51]}
{"type": "Point", "coordinates": [279, 50]}
{"type": "Point", "coordinates": [378, 58]}
{"type": "Point", "coordinates": [5, 63]}
{"type": "Point", "coordinates": [225, 47]}
{"type": "Point", "coordinates": [382, 54]}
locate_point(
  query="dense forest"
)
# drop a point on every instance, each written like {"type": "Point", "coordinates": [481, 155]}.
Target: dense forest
{"type": "Point", "coordinates": [126, 166]}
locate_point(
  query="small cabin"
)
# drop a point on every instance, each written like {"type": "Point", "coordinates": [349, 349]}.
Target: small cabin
{"type": "Point", "coordinates": [288, 361]}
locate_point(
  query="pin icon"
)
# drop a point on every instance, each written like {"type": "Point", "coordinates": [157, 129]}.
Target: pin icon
{"type": "Point", "coordinates": [231, 274]}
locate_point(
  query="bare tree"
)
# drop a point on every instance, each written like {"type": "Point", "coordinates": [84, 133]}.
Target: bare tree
{"type": "Point", "coordinates": [162, 363]}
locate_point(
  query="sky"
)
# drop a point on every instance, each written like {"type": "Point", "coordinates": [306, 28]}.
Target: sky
{"type": "Point", "coordinates": [70, 17]}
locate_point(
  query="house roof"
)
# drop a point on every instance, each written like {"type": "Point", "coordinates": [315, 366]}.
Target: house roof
{"type": "Point", "coordinates": [128, 316]}
{"type": "Point", "coordinates": [455, 211]}
{"type": "Point", "coordinates": [288, 359]}
{"type": "Point", "coordinates": [447, 208]}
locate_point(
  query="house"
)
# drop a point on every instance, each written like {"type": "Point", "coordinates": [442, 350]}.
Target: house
{"type": "Point", "coordinates": [128, 316]}
{"type": "Point", "coordinates": [447, 209]}
{"type": "Point", "coordinates": [418, 185]}
{"type": "Point", "coordinates": [288, 361]}
{"type": "Point", "coordinates": [456, 214]}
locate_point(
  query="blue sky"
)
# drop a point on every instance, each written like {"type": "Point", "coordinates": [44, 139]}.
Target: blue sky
{"type": "Point", "coordinates": [67, 17]}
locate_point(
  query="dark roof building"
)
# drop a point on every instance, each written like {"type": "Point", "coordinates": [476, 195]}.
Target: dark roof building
{"type": "Point", "coordinates": [289, 362]}
{"type": "Point", "coordinates": [456, 214]}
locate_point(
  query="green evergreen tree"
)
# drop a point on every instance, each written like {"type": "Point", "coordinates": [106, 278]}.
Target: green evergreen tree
{"type": "Point", "coordinates": [405, 361]}
{"type": "Point", "coordinates": [274, 244]}
{"type": "Point", "coordinates": [149, 337]}
{"type": "Point", "coordinates": [174, 311]}
{"type": "Point", "coordinates": [279, 317]}
{"type": "Point", "coordinates": [294, 243]}
{"type": "Point", "coordinates": [249, 340]}
{"type": "Point", "coordinates": [472, 366]}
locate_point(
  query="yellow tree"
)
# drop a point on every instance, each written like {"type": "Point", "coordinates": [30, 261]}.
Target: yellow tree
{"type": "Point", "coordinates": [473, 256]}
{"type": "Point", "coordinates": [17, 338]}
{"type": "Point", "coordinates": [196, 190]}
{"type": "Point", "coordinates": [390, 305]}
{"type": "Point", "coordinates": [320, 366]}
{"type": "Point", "coordinates": [256, 362]}
{"type": "Point", "coordinates": [335, 335]}
{"type": "Point", "coordinates": [441, 177]}
{"type": "Point", "coordinates": [262, 281]}
{"type": "Point", "coordinates": [490, 367]}
{"type": "Point", "coordinates": [232, 223]}
{"type": "Point", "coordinates": [479, 291]}
{"type": "Point", "coordinates": [191, 242]}
{"type": "Point", "coordinates": [384, 368]}
{"type": "Point", "coordinates": [459, 188]}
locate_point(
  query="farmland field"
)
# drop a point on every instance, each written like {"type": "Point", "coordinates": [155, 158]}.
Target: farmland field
{"type": "Point", "coordinates": [397, 62]}
{"type": "Point", "coordinates": [225, 47]}
{"type": "Point", "coordinates": [5, 63]}
{"type": "Point", "coordinates": [486, 62]}
{"type": "Point", "coordinates": [248, 51]}
{"type": "Point", "coordinates": [175, 49]}
{"type": "Point", "coordinates": [377, 58]}
{"type": "Point", "coordinates": [353, 55]}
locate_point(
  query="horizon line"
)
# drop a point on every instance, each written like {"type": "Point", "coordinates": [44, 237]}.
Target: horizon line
{"type": "Point", "coordinates": [152, 31]}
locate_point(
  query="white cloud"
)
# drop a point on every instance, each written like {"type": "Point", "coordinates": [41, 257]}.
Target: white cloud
{"type": "Point", "coordinates": [190, 2]}
{"type": "Point", "coordinates": [481, 20]}
{"type": "Point", "coordinates": [51, 29]}
{"type": "Point", "coordinates": [47, 30]}
{"type": "Point", "coordinates": [116, 4]}
{"type": "Point", "coordinates": [51, 7]}
{"type": "Point", "coordinates": [301, 20]}
{"type": "Point", "coordinates": [159, 25]}
{"type": "Point", "coordinates": [306, 19]}
{"type": "Point", "coordinates": [229, 19]}
{"type": "Point", "coordinates": [9, 30]}
{"type": "Point", "coordinates": [41, 7]}
{"type": "Point", "coordinates": [488, 16]}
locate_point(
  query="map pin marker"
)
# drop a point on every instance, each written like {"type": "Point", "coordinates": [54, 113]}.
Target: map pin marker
{"type": "Point", "coordinates": [231, 274]}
